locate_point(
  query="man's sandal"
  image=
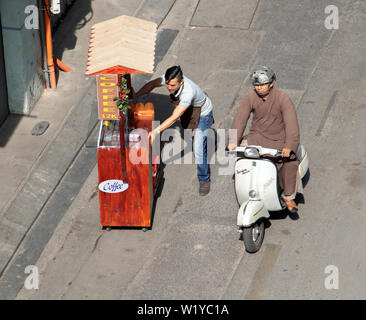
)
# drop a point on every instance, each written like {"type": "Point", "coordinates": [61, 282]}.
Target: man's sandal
{"type": "Point", "coordinates": [291, 205]}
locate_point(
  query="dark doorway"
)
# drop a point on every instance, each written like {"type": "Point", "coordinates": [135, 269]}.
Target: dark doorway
{"type": "Point", "coordinates": [4, 108]}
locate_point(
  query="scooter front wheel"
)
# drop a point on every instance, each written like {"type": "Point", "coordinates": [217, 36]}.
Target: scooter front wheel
{"type": "Point", "coordinates": [253, 236]}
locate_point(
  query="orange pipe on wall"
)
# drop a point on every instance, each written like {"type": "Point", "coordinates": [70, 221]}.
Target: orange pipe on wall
{"type": "Point", "coordinates": [50, 62]}
{"type": "Point", "coordinates": [60, 65]}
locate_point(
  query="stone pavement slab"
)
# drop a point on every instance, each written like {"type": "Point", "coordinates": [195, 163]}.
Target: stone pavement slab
{"type": "Point", "coordinates": [227, 14]}
{"type": "Point", "coordinates": [149, 10]}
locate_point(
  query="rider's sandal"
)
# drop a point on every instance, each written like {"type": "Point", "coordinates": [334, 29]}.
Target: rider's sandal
{"type": "Point", "coordinates": [291, 205]}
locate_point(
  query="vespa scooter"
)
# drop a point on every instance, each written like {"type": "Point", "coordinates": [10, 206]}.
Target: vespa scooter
{"type": "Point", "coordinates": [257, 189]}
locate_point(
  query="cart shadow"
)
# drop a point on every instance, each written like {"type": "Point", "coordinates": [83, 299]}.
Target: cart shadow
{"type": "Point", "coordinates": [159, 189]}
{"type": "Point", "coordinates": [163, 109]}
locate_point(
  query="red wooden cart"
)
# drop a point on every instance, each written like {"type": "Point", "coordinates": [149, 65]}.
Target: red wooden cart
{"type": "Point", "coordinates": [127, 173]}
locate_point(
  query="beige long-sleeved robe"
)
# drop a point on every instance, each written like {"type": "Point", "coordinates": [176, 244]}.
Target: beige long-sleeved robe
{"type": "Point", "coordinates": [274, 125]}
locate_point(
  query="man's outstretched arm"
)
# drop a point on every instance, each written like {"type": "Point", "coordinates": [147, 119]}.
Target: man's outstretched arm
{"type": "Point", "coordinates": [177, 113]}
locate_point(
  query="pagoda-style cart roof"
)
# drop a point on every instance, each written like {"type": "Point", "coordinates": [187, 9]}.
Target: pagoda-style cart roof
{"type": "Point", "coordinates": [122, 45]}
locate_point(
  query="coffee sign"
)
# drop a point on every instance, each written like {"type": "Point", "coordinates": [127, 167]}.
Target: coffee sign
{"type": "Point", "coordinates": [113, 186]}
{"type": "Point", "coordinates": [107, 92]}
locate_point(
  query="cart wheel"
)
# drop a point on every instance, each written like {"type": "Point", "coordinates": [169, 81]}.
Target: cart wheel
{"type": "Point", "coordinates": [108, 228]}
{"type": "Point", "coordinates": [144, 229]}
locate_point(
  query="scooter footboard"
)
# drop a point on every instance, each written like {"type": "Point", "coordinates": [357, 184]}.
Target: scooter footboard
{"type": "Point", "coordinates": [250, 212]}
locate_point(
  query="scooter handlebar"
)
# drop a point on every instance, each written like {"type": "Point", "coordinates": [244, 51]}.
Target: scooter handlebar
{"type": "Point", "coordinates": [272, 152]}
{"type": "Point", "coordinates": [261, 150]}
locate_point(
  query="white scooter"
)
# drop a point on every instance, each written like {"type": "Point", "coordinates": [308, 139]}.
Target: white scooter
{"type": "Point", "coordinates": [257, 190]}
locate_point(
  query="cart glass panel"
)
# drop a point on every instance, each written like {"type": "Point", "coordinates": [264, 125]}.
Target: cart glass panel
{"type": "Point", "coordinates": [109, 134]}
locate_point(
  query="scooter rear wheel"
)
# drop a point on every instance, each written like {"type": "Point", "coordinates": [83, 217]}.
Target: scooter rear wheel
{"type": "Point", "coordinates": [253, 237]}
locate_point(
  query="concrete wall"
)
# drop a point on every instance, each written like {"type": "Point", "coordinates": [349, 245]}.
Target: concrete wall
{"type": "Point", "coordinates": [23, 57]}
{"type": "Point", "coordinates": [4, 109]}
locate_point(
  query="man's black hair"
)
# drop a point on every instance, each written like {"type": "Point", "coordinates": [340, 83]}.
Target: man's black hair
{"type": "Point", "coordinates": [174, 72]}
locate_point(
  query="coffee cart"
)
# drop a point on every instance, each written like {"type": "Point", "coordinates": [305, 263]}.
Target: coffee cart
{"type": "Point", "coordinates": [127, 172]}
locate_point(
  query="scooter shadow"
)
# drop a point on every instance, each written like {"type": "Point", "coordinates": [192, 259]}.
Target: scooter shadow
{"type": "Point", "coordinates": [283, 214]}
{"type": "Point", "coordinates": [277, 215]}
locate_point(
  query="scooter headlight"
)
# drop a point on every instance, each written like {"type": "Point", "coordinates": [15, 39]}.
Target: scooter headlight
{"type": "Point", "coordinates": [252, 194]}
{"type": "Point", "coordinates": [252, 153]}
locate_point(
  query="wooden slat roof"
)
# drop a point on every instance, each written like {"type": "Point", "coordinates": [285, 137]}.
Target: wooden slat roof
{"type": "Point", "coordinates": [122, 45]}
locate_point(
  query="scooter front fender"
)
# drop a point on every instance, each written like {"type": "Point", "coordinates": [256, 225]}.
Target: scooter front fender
{"type": "Point", "coordinates": [250, 212]}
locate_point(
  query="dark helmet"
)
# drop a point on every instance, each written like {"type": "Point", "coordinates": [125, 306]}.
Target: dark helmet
{"type": "Point", "coordinates": [262, 75]}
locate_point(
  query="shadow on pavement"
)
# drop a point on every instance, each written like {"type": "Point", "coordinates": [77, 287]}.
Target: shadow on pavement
{"type": "Point", "coordinates": [75, 18]}
{"type": "Point", "coordinates": [8, 127]}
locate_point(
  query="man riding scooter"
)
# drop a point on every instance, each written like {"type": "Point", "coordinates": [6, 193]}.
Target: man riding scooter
{"type": "Point", "coordinates": [274, 125]}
